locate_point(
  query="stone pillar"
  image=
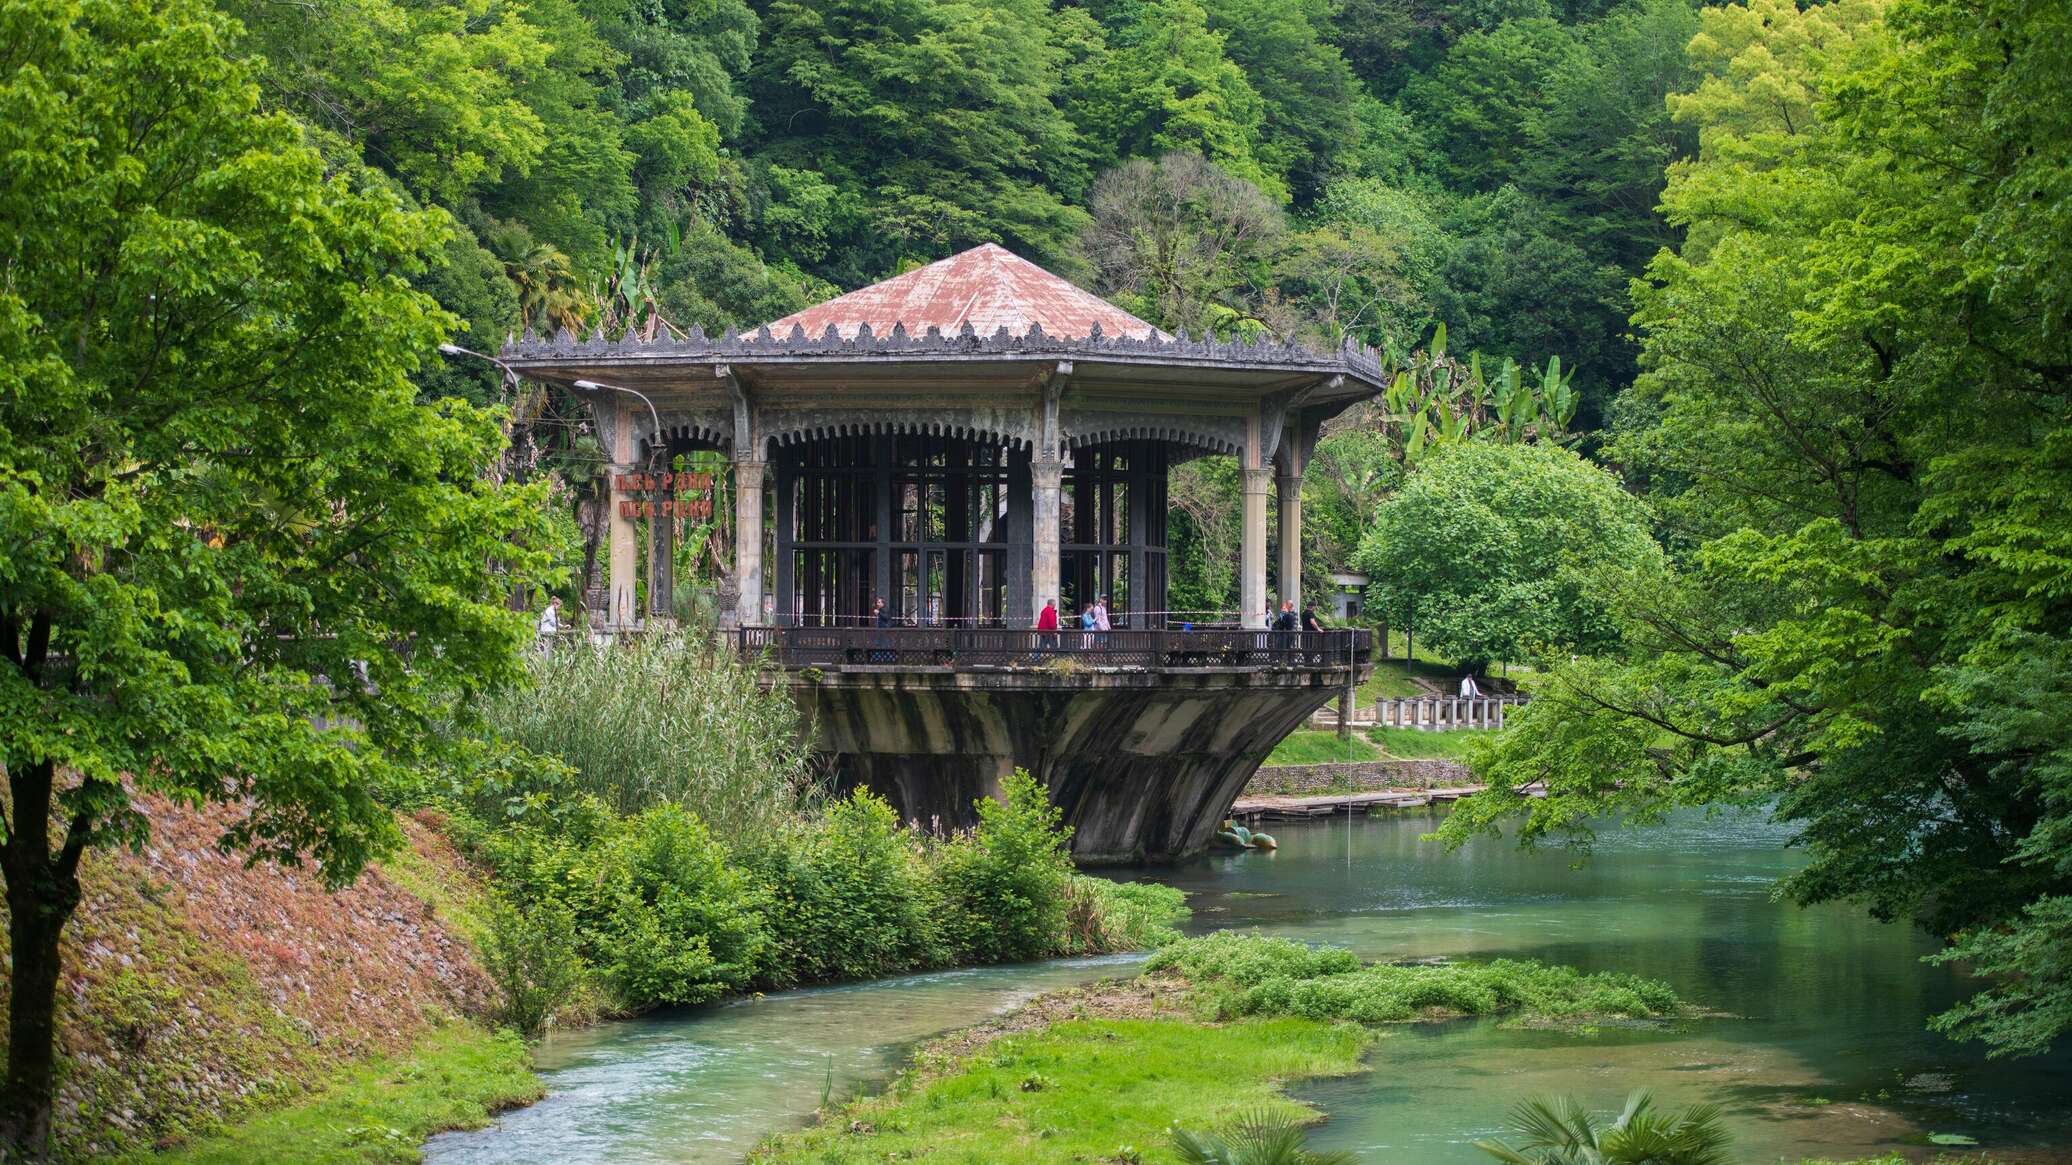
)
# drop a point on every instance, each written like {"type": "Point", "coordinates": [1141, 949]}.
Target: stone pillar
{"type": "Point", "coordinates": [748, 539]}
{"type": "Point", "coordinates": [1046, 477]}
{"type": "Point", "coordinates": [1287, 495]}
{"type": "Point", "coordinates": [623, 546]}
{"type": "Point", "coordinates": [1252, 559]}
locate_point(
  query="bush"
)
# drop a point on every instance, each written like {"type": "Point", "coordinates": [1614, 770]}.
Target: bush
{"type": "Point", "coordinates": [531, 956]}
{"type": "Point", "coordinates": [658, 909]}
{"type": "Point", "coordinates": [1239, 975]}
{"type": "Point", "coordinates": [664, 913]}
{"type": "Point", "coordinates": [1004, 888]}
{"type": "Point", "coordinates": [848, 896]}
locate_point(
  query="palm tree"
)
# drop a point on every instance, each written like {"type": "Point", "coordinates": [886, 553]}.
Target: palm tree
{"type": "Point", "coordinates": [1562, 1132]}
{"type": "Point", "coordinates": [1261, 1137]}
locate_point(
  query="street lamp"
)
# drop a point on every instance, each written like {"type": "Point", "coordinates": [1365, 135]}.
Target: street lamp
{"type": "Point", "coordinates": [510, 374]}
{"type": "Point", "coordinates": [594, 386]}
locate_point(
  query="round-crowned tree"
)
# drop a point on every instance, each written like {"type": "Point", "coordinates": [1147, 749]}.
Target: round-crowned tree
{"type": "Point", "coordinates": [1487, 548]}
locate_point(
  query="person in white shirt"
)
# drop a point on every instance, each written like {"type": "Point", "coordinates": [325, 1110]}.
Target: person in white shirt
{"type": "Point", "coordinates": [1101, 614]}
{"type": "Point", "coordinates": [1468, 686]}
{"type": "Point", "coordinates": [550, 626]}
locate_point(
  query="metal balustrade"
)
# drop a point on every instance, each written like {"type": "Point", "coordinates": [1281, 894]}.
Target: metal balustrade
{"type": "Point", "coordinates": [962, 648]}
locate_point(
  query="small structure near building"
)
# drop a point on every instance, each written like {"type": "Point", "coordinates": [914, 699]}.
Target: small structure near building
{"type": "Point", "coordinates": [1348, 594]}
{"type": "Point", "coordinates": [970, 442]}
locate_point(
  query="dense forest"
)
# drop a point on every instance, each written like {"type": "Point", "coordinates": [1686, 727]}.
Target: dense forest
{"type": "Point", "coordinates": [1792, 284]}
{"type": "Point", "coordinates": [1309, 170]}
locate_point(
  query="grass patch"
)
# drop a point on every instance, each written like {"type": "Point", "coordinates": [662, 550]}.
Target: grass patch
{"type": "Point", "coordinates": [1412, 744]}
{"type": "Point", "coordinates": [1236, 975]}
{"type": "Point", "coordinates": [1081, 1090]}
{"type": "Point", "coordinates": [1310, 746]}
{"type": "Point", "coordinates": [381, 1110]}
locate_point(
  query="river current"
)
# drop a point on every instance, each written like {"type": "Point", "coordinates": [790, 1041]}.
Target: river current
{"type": "Point", "coordinates": [1821, 1050]}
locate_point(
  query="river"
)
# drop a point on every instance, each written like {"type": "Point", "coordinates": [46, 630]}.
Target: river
{"type": "Point", "coordinates": [1822, 1051]}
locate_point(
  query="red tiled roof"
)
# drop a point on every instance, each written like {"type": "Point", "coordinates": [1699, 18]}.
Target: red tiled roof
{"type": "Point", "coordinates": [986, 287]}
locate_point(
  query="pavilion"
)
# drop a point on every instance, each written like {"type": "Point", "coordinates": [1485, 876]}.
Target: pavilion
{"type": "Point", "coordinates": [968, 441]}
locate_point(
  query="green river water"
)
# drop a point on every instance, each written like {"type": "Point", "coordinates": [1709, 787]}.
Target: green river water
{"type": "Point", "coordinates": [1824, 1052]}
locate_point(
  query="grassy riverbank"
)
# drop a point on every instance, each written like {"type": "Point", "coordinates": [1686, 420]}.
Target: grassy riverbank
{"type": "Point", "coordinates": [1214, 1027]}
{"type": "Point", "coordinates": [1091, 1074]}
{"type": "Point", "coordinates": [382, 1110]}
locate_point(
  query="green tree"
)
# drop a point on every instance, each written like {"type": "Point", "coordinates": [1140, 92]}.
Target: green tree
{"type": "Point", "coordinates": [1479, 102]}
{"type": "Point", "coordinates": [1168, 87]}
{"type": "Point", "coordinates": [429, 93]}
{"type": "Point", "coordinates": [1484, 550]}
{"type": "Point", "coordinates": [935, 116]}
{"type": "Point", "coordinates": [244, 565]}
{"type": "Point", "coordinates": [1306, 89]}
{"type": "Point", "coordinates": [1183, 243]}
{"type": "Point", "coordinates": [1859, 390]}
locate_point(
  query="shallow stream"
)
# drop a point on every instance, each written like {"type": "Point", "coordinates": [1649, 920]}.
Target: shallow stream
{"type": "Point", "coordinates": [1825, 1053]}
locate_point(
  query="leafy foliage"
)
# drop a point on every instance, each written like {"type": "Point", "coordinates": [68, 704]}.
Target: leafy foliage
{"type": "Point", "coordinates": [1004, 891]}
{"type": "Point", "coordinates": [1263, 1137]}
{"type": "Point", "coordinates": [1247, 975]}
{"type": "Point", "coordinates": [1854, 410]}
{"type": "Point", "coordinates": [245, 564]}
{"type": "Point", "coordinates": [1563, 1132]}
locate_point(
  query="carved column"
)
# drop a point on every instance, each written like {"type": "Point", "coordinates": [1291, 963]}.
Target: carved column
{"type": "Point", "coordinates": [621, 540]}
{"type": "Point", "coordinates": [1046, 476]}
{"type": "Point", "coordinates": [748, 539]}
{"type": "Point", "coordinates": [1252, 560]}
{"type": "Point", "coordinates": [1287, 493]}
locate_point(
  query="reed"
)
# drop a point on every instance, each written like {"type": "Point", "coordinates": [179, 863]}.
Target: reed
{"type": "Point", "coordinates": [665, 720]}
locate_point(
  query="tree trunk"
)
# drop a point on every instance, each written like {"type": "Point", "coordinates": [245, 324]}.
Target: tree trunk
{"type": "Point", "coordinates": [42, 892]}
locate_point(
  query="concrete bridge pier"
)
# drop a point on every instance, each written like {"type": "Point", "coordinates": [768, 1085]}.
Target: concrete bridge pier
{"type": "Point", "coordinates": [1144, 765]}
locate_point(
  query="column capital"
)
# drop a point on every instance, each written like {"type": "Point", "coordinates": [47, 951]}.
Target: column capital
{"type": "Point", "coordinates": [1257, 480]}
{"type": "Point", "coordinates": [1048, 474]}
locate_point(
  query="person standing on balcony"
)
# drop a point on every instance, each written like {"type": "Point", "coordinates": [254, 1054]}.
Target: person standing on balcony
{"type": "Point", "coordinates": [1047, 625]}
{"type": "Point", "coordinates": [1284, 626]}
{"type": "Point", "coordinates": [881, 615]}
{"type": "Point", "coordinates": [1101, 624]}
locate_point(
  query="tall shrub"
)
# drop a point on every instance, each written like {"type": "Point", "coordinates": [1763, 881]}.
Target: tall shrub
{"type": "Point", "coordinates": [849, 896]}
{"type": "Point", "coordinates": [665, 720]}
{"type": "Point", "coordinates": [658, 909]}
{"type": "Point", "coordinates": [1005, 889]}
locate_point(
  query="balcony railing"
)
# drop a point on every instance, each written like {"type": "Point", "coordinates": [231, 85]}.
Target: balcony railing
{"type": "Point", "coordinates": [974, 648]}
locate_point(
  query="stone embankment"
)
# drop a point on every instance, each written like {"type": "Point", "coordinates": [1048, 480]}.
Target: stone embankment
{"type": "Point", "coordinates": [1299, 792]}
{"type": "Point", "coordinates": [197, 987]}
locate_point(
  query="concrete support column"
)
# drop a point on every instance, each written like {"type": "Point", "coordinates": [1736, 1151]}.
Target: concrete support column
{"type": "Point", "coordinates": [622, 548]}
{"type": "Point", "coordinates": [1252, 559]}
{"type": "Point", "coordinates": [622, 544]}
{"type": "Point", "coordinates": [1046, 478]}
{"type": "Point", "coordinates": [748, 539]}
{"type": "Point", "coordinates": [1287, 496]}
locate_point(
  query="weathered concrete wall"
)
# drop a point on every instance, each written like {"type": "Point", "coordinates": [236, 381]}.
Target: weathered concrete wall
{"type": "Point", "coordinates": [1360, 775]}
{"type": "Point", "coordinates": [1143, 764]}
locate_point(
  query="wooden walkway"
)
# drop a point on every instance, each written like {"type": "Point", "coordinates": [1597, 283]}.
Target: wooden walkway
{"type": "Point", "coordinates": [1293, 808]}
